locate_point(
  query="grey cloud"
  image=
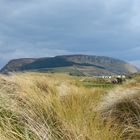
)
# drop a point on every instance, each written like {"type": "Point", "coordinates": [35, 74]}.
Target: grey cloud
{"type": "Point", "coordinates": [35, 28]}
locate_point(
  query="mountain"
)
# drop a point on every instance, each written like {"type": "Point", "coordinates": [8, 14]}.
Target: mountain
{"type": "Point", "coordinates": [72, 64]}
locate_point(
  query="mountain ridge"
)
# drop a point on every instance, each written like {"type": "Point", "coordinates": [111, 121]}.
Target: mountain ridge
{"type": "Point", "coordinates": [85, 64]}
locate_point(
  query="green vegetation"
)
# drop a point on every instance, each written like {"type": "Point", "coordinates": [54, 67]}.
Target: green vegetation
{"type": "Point", "coordinates": [99, 82]}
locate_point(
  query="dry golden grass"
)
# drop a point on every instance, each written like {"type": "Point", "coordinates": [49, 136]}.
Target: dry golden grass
{"type": "Point", "coordinates": [121, 108]}
{"type": "Point", "coordinates": [36, 106]}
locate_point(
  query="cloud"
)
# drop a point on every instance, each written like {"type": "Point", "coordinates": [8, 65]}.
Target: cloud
{"type": "Point", "coordinates": [36, 28]}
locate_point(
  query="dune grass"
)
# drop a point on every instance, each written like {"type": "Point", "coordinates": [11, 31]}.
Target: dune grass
{"type": "Point", "coordinates": [36, 106]}
{"type": "Point", "coordinates": [121, 108]}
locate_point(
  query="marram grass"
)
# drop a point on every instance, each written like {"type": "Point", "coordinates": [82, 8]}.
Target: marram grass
{"type": "Point", "coordinates": [35, 106]}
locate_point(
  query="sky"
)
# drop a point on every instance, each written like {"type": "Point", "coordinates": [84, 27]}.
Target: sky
{"type": "Point", "coordinates": [42, 28]}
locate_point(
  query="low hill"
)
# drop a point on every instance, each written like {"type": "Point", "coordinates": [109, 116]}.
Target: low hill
{"type": "Point", "coordinates": [72, 64]}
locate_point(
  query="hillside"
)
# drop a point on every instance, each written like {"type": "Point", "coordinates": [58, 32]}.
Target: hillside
{"type": "Point", "coordinates": [72, 64]}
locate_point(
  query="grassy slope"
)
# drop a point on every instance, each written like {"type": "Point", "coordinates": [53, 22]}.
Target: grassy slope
{"type": "Point", "coordinates": [35, 106]}
{"type": "Point", "coordinates": [78, 70]}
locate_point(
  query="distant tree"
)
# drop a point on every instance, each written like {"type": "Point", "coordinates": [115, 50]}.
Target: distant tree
{"type": "Point", "coordinates": [120, 80]}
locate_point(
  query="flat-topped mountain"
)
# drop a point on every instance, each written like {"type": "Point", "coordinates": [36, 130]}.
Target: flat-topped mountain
{"type": "Point", "coordinates": [73, 64]}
